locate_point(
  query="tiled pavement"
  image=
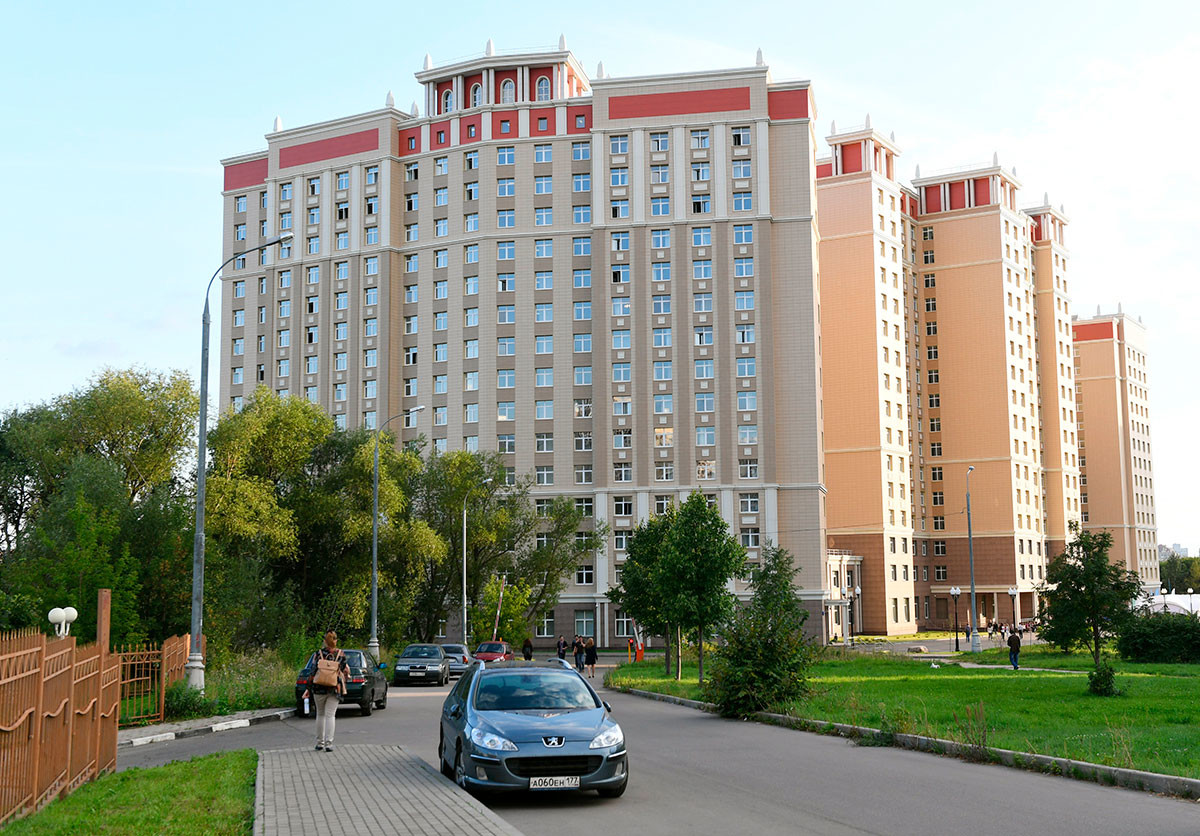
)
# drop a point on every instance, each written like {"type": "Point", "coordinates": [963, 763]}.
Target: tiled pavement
{"type": "Point", "coordinates": [363, 789]}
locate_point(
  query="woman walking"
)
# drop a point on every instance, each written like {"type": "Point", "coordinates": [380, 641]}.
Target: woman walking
{"type": "Point", "coordinates": [589, 654]}
{"type": "Point", "coordinates": [577, 651]}
{"type": "Point", "coordinates": [327, 684]}
{"type": "Point", "coordinates": [527, 650]}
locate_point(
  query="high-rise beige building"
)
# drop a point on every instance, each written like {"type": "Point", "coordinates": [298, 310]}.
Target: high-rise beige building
{"type": "Point", "coordinates": [612, 282]}
{"type": "Point", "coordinates": [1116, 462]}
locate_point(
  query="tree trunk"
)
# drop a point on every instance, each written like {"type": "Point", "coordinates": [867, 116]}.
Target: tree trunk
{"type": "Point", "coordinates": [1096, 646]}
{"type": "Point", "coordinates": [678, 653]}
{"type": "Point", "coordinates": [667, 635]}
{"type": "Point", "coordinates": [700, 651]}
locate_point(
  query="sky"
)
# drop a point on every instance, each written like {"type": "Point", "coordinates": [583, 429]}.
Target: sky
{"type": "Point", "coordinates": [115, 117]}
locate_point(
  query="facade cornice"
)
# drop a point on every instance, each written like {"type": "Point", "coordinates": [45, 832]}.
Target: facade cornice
{"type": "Point", "coordinates": [344, 122]}
{"type": "Point", "coordinates": [248, 157]}
{"type": "Point", "coordinates": [668, 78]}
{"type": "Point", "coordinates": [485, 62]}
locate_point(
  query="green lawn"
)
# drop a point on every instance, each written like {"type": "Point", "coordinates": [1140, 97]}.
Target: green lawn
{"type": "Point", "coordinates": [209, 795]}
{"type": "Point", "coordinates": [1154, 725]}
{"type": "Point", "coordinates": [1043, 656]}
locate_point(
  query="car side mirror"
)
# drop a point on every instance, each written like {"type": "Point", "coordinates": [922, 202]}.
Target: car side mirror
{"type": "Point", "coordinates": [383, 666]}
{"type": "Point", "coordinates": [607, 707]}
{"type": "Point", "coordinates": [455, 710]}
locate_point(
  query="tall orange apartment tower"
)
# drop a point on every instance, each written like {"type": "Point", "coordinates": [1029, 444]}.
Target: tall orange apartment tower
{"type": "Point", "coordinates": [976, 395]}
{"type": "Point", "coordinates": [865, 372]}
{"type": "Point", "coordinates": [1056, 372]}
{"type": "Point", "coordinates": [1115, 456]}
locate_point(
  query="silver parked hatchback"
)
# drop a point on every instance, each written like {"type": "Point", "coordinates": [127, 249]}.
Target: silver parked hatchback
{"type": "Point", "coordinates": [530, 725]}
{"type": "Point", "coordinates": [459, 656]}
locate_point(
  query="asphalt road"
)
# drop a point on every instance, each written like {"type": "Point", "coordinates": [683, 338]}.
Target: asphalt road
{"type": "Point", "coordinates": [695, 773]}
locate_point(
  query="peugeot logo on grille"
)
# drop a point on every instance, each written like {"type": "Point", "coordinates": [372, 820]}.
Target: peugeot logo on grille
{"type": "Point", "coordinates": [553, 742]}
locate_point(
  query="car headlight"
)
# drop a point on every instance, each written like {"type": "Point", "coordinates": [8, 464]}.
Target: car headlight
{"type": "Point", "coordinates": [612, 736]}
{"type": "Point", "coordinates": [492, 741]}
{"type": "Point", "coordinates": [401, 667]}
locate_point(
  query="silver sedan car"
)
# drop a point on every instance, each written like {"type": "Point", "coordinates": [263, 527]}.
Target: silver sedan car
{"type": "Point", "coordinates": [460, 658]}
{"type": "Point", "coordinates": [519, 725]}
{"type": "Point", "coordinates": [421, 663]}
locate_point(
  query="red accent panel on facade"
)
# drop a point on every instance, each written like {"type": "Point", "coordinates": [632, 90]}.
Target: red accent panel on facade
{"type": "Point", "coordinates": [824, 169]}
{"type": "Point", "coordinates": [325, 149]}
{"type": "Point", "coordinates": [983, 192]}
{"type": "Point", "coordinates": [787, 104]}
{"type": "Point", "coordinates": [465, 126]}
{"type": "Point", "coordinates": [541, 72]}
{"type": "Point", "coordinates": [467, 84]}
{"type": "Point", "coordinates": [501, 77]}
{"type": "Point", "coordinates": [573, 114]}
{"type": "Point", "coordinates": [410, 141]}
{"type": "Point", "coordinates": [851, 157]}
{"type": "Point", "coordinates": [933, 198]}
{"type": "Point", "coordinates": [241, 175]}
{"type": "Point", "coordinates": [1035, 228]}
{"type": "Point", "coordinates": [441, 129]}
{"type": "Point", "coordinates": [685, 101]}
{"type": "Point", "coordinates": [1093, 331]}
{"type": "Point", "coordinates": [442, 87]}
{"type": "Point", "coordinates": [501, 116]}
{"type": "Point", "coordinates": [958, 194]}
{"type": "Point", "coordinates": [537, 114]}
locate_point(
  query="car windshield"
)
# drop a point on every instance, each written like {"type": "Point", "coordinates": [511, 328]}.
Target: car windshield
{"type": "Point", "coordinates": [421, 651]}
{"type": "Point", "coordinates": [533, 690]}
{"type": "Point", "coordinates": [454, 649]}
{"type": "Point", "coordinates": [490, 647]}
{"type": "Point", "coordinates": [354, 659]}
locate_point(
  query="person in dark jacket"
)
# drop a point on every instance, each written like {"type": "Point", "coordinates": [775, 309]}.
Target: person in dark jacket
{"type": "Point", "coordinates": [589, 656]}
{"type": "Point", "coordinates": [527, 650]}
{"type": "Point", "coordinates": [1014, 649]}
{"type": "Point", "coordinates": [577, 651]}
{"type": "Point", "coordinates": [562, 648]}
{"type": "Point", "coordinates": [327, 697]}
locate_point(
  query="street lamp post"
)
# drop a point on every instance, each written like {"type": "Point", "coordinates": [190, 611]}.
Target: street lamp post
{"type": "Point", "coordinates": [373, 644]}
{"type": "Point", "coordinates": [971, 553]}
{"type": "Point", "coordinates": [466, 496]}
{"type": "Point", "coordinates": [1164, 597]}
{"type": "Point", "coordinates": [1190, 601]}
{"type": "Point", "coordinates": [854, 595]}
{"type": "Point", "coordinates": [195, 662]}
{"type": "Point", "coordinates": [1012, 593]}
{"type": "Point", "coordinates": [954, 593]}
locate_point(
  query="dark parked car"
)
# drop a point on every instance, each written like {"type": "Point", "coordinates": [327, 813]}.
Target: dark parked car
{"type": "Point", "coordinates": [530, 725]}
{"type": "Point", "coordinates": [421, 663]}
{"type": "Point", "coordinates": [494, 652]}
{"type": "Point", "coordinates": [366, 686]}
{"type": "Point", "coordinates": [460, 658]}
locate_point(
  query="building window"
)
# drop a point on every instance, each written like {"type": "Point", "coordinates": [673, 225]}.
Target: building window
{"type": "Point", "coordinates": [699, 139]}
{"type": "Point", "coordinates": [750, 538]}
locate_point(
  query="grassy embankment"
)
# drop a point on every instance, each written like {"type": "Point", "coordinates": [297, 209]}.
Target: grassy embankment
{"type": "Point", "coordinates": [209, 795]}
{"type": "Point", "coordinates": [1154, 725]}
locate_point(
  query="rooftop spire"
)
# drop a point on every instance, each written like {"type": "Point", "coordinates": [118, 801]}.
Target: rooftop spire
{"type": "Point", "coordinates": [562, 43]}
{"type": "Point", "coordinates": [758, 58]}
{"type": "Point", "coordinates": [868, 124]}
{"type": "Point", "coordinates": [490, 49]}
{"type": "Point", "coordinates": [390, 101]}
{"type": "Point", "coordinates": [278, 124]}
{"type": "Point", "coordinates": [600, 70]}
{"type": "Point", "coordinates": [428, 61]}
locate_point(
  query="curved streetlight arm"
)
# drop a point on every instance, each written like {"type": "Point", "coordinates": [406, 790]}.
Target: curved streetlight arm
{"type": "Point", "coordinates": [195, 663]}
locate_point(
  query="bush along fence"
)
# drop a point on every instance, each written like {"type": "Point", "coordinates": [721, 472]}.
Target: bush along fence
{"type": "Point", "coordinates": [147, 672]}
{"type": "Point", "coordinates": [58, 714]}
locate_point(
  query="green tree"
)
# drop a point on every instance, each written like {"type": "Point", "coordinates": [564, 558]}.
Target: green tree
{"type": "Point", "coordinates": [1179, 574]}
{"type": "Point", "coordinates": [514, 612]}
{"type": "Point", "coordinates": [766, 657]}
{"type": "Point", "coordinates": [642, 593]}
{"type": "Point", "coordinates": [1086, 599]}
{"type": "Point", "coordinates": [701, 558]}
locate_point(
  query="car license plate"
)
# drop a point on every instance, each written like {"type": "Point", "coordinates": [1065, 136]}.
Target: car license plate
{"type": "Point", "coordinates": [569, 782]}
{"type": "Point", "coordinates": [416, 673]}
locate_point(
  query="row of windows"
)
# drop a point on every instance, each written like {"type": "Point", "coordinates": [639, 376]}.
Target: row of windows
{"type": "Point", "coordinates": [341, 183]}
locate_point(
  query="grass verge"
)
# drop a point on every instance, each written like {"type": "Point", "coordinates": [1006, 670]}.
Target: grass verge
{"type": "Point", "coordinates": [242, 683]}
{"type": "Point", "coordinates": [210, 795]}
{"type": "Point", "coordinates": [1043, 656]}
{"type": "Point", "coordinates": [1154, 725]}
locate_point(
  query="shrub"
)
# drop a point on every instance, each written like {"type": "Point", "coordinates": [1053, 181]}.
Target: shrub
{"type": "Point", "coordinates": [1102, 681]}
{"type": "Point", "coordinates": [1161, 637]}
{"type": "Point", "coordinates": [243, 682]}
{"type": "Point", "coordinates": [767, 657]}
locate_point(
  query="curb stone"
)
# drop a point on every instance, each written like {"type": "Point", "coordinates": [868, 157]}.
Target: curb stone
{"type": "Point", "coordinates": [1135, 779]}
{"type": "Point", "coordinates": [218, 724]}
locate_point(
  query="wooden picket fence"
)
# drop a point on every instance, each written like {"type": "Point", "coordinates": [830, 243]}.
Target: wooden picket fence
{"type": "Point", "coordinates": [147, 671]}
{"type": "Point", "coordinates": [58, 714]}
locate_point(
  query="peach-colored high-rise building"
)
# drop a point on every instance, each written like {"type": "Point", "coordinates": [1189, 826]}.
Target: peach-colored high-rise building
{"type": "Point", "coordinates": [1116, 461]}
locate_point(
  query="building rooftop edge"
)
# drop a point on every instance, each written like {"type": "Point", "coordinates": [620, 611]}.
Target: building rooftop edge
{"type": "Point", "coordinates": [659, 78]}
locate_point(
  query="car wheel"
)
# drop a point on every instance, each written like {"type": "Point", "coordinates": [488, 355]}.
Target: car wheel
{"type": "Point", "coordinates": [382, 704]}
{"type": "Point", "coordinates": [460, 771]}
{"type": "Point", "coordinates": [614, 792]}
{"type": "Point", "coordinates": [445, 679]}
{"type": "Point", "coordinates": [446, 769]}
{"type": "Point", "coordinates": [365, 708]}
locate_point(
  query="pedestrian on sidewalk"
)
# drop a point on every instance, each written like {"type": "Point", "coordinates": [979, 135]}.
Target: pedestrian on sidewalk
{"type": "Point", "coordinates": [562, 648]}
{"type": "Point", "coordinates": [325, 696]}
{"type": "Point", "coordinates": [527, 650]}
{"type": "Point", "coordinates": [1014, 650]}
{"type": "Point", "coordinates": [577, 652]}
{"type": "Point", "coordinates": [590, 657]}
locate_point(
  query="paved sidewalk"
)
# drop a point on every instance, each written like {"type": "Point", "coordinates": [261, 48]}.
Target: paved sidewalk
{"type": "Point", "coordinates": [363, 789]}
{"type": "Point", "coordinates": [141, 735]}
